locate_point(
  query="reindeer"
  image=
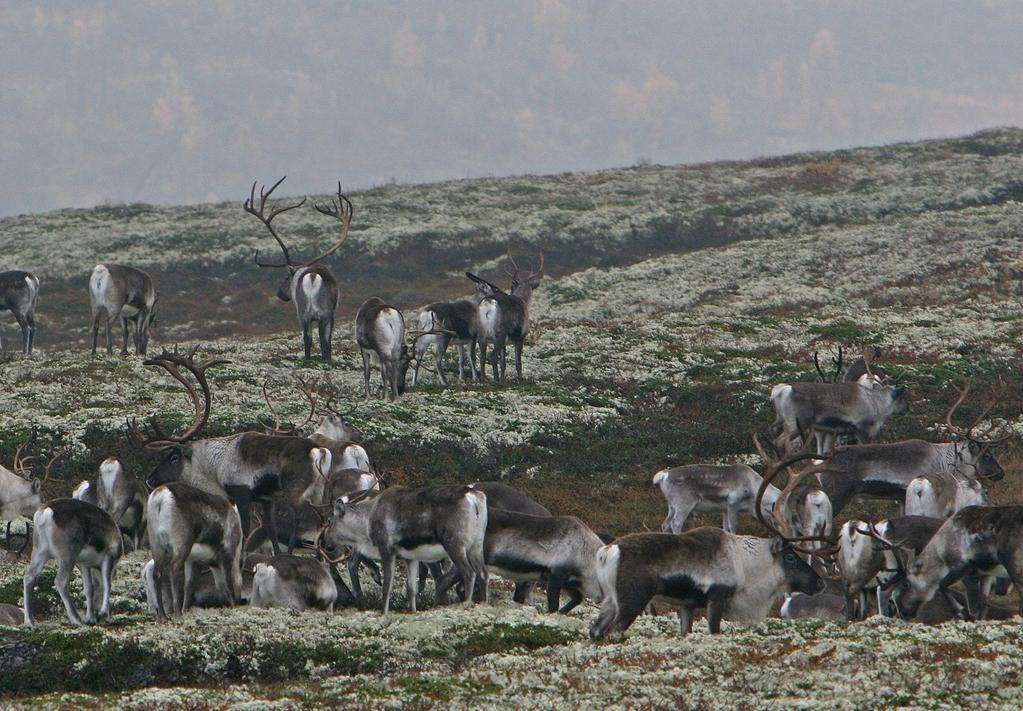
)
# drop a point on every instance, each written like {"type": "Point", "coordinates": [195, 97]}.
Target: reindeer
{"type": "Point", "coordinates": [830, 408]}
{"type": "Point", "coordinates": [76, 534]}
{"type": "Point", "coordinates": [417, 525]}
{"type": "Point", "coordinates": [189, 526]}
{"type": "Point", "coordinates": [442, 324]}
{"type": "Point", "coordinates": [980, 540]}
{"type": "Point", "coordinates": [20, 494]}
{"type": "Point", "coordinates": [822, 606]}
{"type": "Point", "coordinates": [860, 562]}
{"type": "Point", "coordinates": [117, 291]}
{"type": "Point", "coordinates": [733, 576]}
{"type": "Point", "coordinates": [941, 494]}
{"type": "Point", "coordinates": [885, 470]}
{"type": "Point", "coordinates": [293, 582]}
{"type": "Point", "coordinates": [710, 488]}
{"type": "Point", "coordinates": [246, 467]}
{"type": "Point", "coordinates": [380, 332]}
{"type": "Point", "coordinates": [524, 548]}
{"type": "Point", "coordinates": [503, 317]}
{"type": "Point", "coordinates": [310, 285]}
{"type": "Point", "coordinates": [121, 496]}
{"type": "Point", "coordinates": [19, 292]}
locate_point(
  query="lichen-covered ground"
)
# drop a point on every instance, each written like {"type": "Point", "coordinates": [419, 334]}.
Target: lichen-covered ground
{"type": "Point", "coordinates": [677, 296]}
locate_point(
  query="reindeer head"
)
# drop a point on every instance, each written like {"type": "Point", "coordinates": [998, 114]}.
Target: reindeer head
{"type": "Point", "coordinates": [974, 457]}
{"type": "Point", "coordinates": [523, 283]}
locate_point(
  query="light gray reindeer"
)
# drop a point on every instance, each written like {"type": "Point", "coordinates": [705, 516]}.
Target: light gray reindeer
{"type": "Point", "coordinates": [380, 333]}
{"type": "Point", "coordinates": [20, 493]}
{"type": "Point", "coordinates": [189, 527]}
{"type": "Point", "coordinates": [293, 582]}
{"type": "Point", "coordinates": [942, 494]}
{"type": "Point", "coordinates": [310, 285]}
{"type": "Point", "coordinates": [121, 496]}
{"type": "Point", "coordinates": [79, 534]}
{"type": "Point", "coordinates": [19, 292]}
{"type": "Point", "coordinates": [126, 293]}
{"type": "Point", "coordinates": [711, 488]}
{"type": "Point", "coordinates": [503, 317]}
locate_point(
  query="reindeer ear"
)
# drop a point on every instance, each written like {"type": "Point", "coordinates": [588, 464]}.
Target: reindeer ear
{"type": "Point", "coordinates": [777, 546]}
{"type": "Point", "coordinates": [36, 486]}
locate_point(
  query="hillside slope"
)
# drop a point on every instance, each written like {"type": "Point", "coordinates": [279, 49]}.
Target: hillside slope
{"type": "Point", "coordinates": [656, 360]}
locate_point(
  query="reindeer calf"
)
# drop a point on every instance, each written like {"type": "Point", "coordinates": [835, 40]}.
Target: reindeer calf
{"type": "Point", "coordinates": [76, 534]}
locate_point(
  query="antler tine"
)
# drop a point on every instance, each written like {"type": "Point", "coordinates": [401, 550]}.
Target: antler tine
{"type": "Point", "coordinates": [333, 392]}
{"type": "Point", "coordinates": [821, 375]}
{"type": "Point", "coordinates": [250, 207]}
{"type": "Point", "coordinates": [515, 266]}
{"type": "Point", "coordinates": [342, 210]}
{"type": "Point", "coordinates": [775, 467]}
{"type": "Point", "coordinates": [172, 362]}
{"type": "Point", "coordinates": [47, 470]}
{"type": "Point", "coordinates": [539, 268]}
{"type": "Point", "coordinates": [963, 392]}
{"type": "Point", "coordinates": [275, 428]}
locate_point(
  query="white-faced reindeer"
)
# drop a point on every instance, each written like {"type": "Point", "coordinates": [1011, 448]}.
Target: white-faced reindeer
{"type": "Point", "coordinates": [729, 489]}
{"type": "Point", "coordinates": [246, 467]}
{"type": "Point", "coordinates": [190, 527]}
{"type": "Point", "coordinates": [982, 540]}
{"type": "Point", "coordinates": [19, 292]}
{"type": "Point", "coordinates": [125, 293]}
{"type": "Point", "coordinates": [503, 317]}
{"type": "Point", "coordinates": [942, 494]}
{"type": "Point", "coordinates": [293, 582]}
{"type": "Point", "coordinates": [380, 333]}
{"type": "Point", "coordinates": [885, 470]}
{"type": "Point", "coordinates": [121, 496]}
{"type": "Point", "coordinates": [419, 526]}
{"type": "Point", "coordinates": [79, 534]}
{"type": "Point", "coordinates": [310, 285]}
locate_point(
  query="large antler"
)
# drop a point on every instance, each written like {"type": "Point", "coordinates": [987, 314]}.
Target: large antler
{"type": "Point", "coordinates": [172, 363]}
{"type": "Point", "coordinates": [340, 209]}
{"type": "Point", "coordinates": [531, 274]}
{"type": "Point", "coordinates": [824, 377]}
{"type": "Point", "coordinates": [773, 468]}
{"type": "Point", "coordinates": [308, 388]}
{"type": "Point", "coordinates": [250, 207]}
{"type": "Point", "coordinates": [21, 464]}
{"type": "Point", "coordinates": [983, 439]}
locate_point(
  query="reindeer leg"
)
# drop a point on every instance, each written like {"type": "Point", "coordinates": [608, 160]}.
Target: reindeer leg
{"type": "Point", "coordinates": [555, 581]}
{"type": "Point", "coordinates": [440, 348]}
{"type": "Point", "coordinates": [62, 581]}
{"type": "Point", "coordinates": [95, 329]}
{"type": "Point", "coordinates": [35, 567]}
{"type": "Point", "coordinates": [325, 329]}
{"type": "Point", "coordinates": [715, 610]}
{"type": "Point", "coordinates": [575, 596]}
{"type": "Point", "coordinates": [412, 582]}
{"type": "Point", "coordinates": [270, 514]}
{"type": "Point", "coordinates": [90, 592]}
{"type": "Point", "coordinates": [518, 359]}
{"type": "Point", "coordinates": [124, 345]}
{"type": "Point", "coordinates": [387, 562]}
{"type": "Point", "coordinates": [685, 619]}
{"type": "Point", "coordinates": [366, 371]}
{"type": "Point", "coordinates": [353, 575]}
{"type": "Point", "coordinates": [107, 581]}
{"type": "Point", "coordinates": [307, 339]}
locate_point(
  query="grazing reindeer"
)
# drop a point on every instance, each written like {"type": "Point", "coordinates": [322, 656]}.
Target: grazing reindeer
{"type": "Point", "coordinates": [709, 488]}
{"type": "Point", "coordinates": [417, 525]}
{"type": "Point", "coordinates": [311, 285]}
{"type": "Point", "coordinates": [293, 582]}
{"type": "Point", "coordinates": [457, 321]}
{"type": "Point", "coordinates": [19, 292]}
{"type": "Point", "coordinates": [860, 561]}
{"type": "Point", "coordinates": [504, 317]}
{"type": "Point", "coordinates": [187, 527]}
{"type": "Point", "coordinates": [123, 497]}
{"type": "Point", "coordinates": [117, 291]}
{"type": "Point", "coordinates": [981, 540]}
{"type": "Point", "coordinates": [885, 470]}
{"type": "Point", "coordinates": [246, 467]}
{"type": "Point", "coordinates": [76, 534]}
{"type": "Point", "coordinates": [738, 577]}
{"type": "Point", "coordinates": [941, 494]}
{"type": "Point", "coordinates": [821, 606]}
{"type": "Point", "coordinates": [560, 550]}
{"type": "Point", "coordinates": [21, 495]}
{"type": "Point", "coordinates": [380, 332]}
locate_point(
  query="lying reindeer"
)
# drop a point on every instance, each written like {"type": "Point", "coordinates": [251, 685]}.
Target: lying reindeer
{"type": "Point", "coordinates": [76, 534]}
{"type": "Point", "coordinates": [293, 582]}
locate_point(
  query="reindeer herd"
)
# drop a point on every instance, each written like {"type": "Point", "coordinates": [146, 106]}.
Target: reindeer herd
{"type": "Point", "coordinates": [268, 517]}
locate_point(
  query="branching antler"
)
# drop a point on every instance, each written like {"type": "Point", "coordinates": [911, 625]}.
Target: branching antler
{"type": "Point", "coordinates": [837, 362]}
{"type": "Point", "coordinates": [983, 439]}
{"type": "Point", "coordinates": [21, 465]}
{"type": "Point", "coordinates": [340, 209]}
{"type": "Point", "coordinates": [309, 391]}
{"type": "Point", "coordinates": [250, 207]}
{"type": "Point", "coordinates": [531, 274]}
{"type": "Point", "coordinates": [158, 440]}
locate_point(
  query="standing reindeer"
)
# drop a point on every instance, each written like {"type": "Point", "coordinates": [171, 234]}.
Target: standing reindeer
{"type": "Point", "coordinates": [121, 496]}
{"type": "Point", "coordinates": [311, 285]}
{"type": "Point", "coordinates": [18, 294]}
{"type": "Point", "coordinates": [457, 320]}
{"type": "Point", "coordinates": [705, 488]}
{"type": "Point", "coordinates": [380, 332]}
{"type": "Point", "coordinates": [504, 317]}
{"type": "Point", "coordinates": [117, 291]}
{"type": "Point", "coordinates": [246, 467]}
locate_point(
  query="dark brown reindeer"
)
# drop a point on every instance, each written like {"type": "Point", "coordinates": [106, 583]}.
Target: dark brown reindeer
{"type": "Point", "coordinates": [125, 293]}
{"type": "Point", "coordinates": [311, 285]}
{"type": "Point", "coordinates": [503, 317]}
{"type": "Point", "coordinates": [19, 292]}
{"type": "Point", "coordinates": [246, 467]}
